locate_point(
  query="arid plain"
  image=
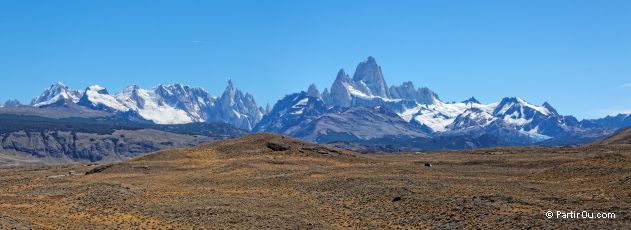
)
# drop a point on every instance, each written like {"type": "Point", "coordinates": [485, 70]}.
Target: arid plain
{"type": "Point", "coordinates": [267, 181]}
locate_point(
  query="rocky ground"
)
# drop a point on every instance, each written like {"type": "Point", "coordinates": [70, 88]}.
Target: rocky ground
{"type": "Point", "coordinates": [267, 181]}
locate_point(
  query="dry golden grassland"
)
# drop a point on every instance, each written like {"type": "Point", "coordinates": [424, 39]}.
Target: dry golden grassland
{"type": "Point", "coordinates": [243, 183]}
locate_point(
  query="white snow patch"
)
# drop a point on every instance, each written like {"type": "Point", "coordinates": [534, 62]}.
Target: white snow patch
{"type": "Point", "coordinates": [440, 115]}
{"type": "Point", "coordinates": [103, 99]}
{"type": "Point", "coordinates": [152, 108]}
{"type": "Point", "coordinates": [522, 103]}
{"type": "Point", "coordinates": [534, 135]}
{"type": "Point", "coordinates": [302, 102]}
{"type": "Point", "coordinates": [358, 93]}
{"type": "Point", "coordinates": [300, 106]}
{"type": "Point", "coordinates": [408, 114]}
{"type": "Point", "coordinates": [165, 115]}
{"type": "Point", "coordinates": [515, 119]}
{"type": "Point", "coordinates": [60, 96]}
{"type": "Point", "coordinates": [237, 114]}
{"type": "Point", "coordinates": [540, 109]}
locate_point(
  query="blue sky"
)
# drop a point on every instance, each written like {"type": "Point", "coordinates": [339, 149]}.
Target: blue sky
{"type": "Point", "coordinates": [574, 54]}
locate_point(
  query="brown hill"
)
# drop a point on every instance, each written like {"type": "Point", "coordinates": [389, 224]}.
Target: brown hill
{"type": "Point", "coordinates": [621, 137]}
{"type": "Point", "coordinates": [257, 150]}
{"type": "Point", "coordinates": [260, 144]}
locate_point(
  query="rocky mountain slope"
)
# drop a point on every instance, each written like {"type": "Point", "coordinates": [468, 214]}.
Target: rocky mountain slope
{"type": "Point", "coordinates": [104, 139]}
{"type": "Point", "coordinates": [614, 122]}
{"type": "Point", "coordinates": [304, 116]}
{"type": "Point", "coordinates": [618, 138]}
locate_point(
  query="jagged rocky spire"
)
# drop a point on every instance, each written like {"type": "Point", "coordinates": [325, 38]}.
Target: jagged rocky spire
{"type": "Point", "coordinates": [340, 94]}
{"type": "Point", "coordinates": [313, 91]}
{"type": "Point", "coordinates": [407, 91]}
{"type": "Point", "coordinates": [369, 73]}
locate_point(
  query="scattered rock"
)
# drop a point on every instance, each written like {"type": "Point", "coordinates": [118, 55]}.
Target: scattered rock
{"type": "Point", "coordinates": [56, 176]}
{"type": "Point", "coordinates": [428, 165]}
{"type": "Point", "coordinates": [145, 167]}
{"type": "Point", "coordinates": [98, 169]}
{"type": "Point", "coordinates": [398, 198]}
{"type": "Point", "coordinates": [276, 147]}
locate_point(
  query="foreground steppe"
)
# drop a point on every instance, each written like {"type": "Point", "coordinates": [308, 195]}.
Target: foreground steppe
{"type": "Point", "coordinates": [267, 181]}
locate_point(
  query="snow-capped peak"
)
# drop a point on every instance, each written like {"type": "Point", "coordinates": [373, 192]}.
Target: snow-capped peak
{"type": "Point", "coordinates": [97, 88]}
{"type": "Point", "coordinates": [195, 101]}
{"type": "Point", "coordinates": [177, 104]}
{"type": "Point", "coordinates": [549, 108]}
{"type": "Point", "coordinates": [440, 115]}
{"type": "Point", "coordinates": [55, 93]}
{"type": "Point", "coordinates": [509, 103]}
{"type": "Point", "coordinates": [150, 106]}
{"type": "Point", "coordinates": [471, 100]}
{"type": "Point", "coordinates": [133, 96]}
{"type": "Point", "coordinates": [97, 97]}
{"type": "Point", "coordinates": [130, 89]}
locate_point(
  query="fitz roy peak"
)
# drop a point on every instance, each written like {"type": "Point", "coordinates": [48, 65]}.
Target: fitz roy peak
{"type": "Point", "coordinates": [369, 79]}
{"type": "Point", "coordinates": [369, 88]}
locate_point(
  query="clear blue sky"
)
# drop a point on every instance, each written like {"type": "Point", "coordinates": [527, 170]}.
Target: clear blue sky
{"type": "Point", "coordinates": [574, 54]}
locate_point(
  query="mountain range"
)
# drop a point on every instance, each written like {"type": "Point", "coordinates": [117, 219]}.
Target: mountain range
{"type": "Point", "coordinates": [164, 104]}
{"type": "Point", "coordinates": [361, 111]}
